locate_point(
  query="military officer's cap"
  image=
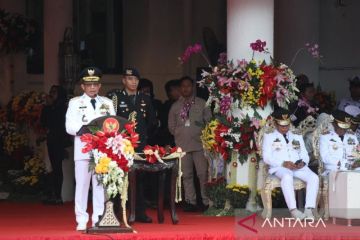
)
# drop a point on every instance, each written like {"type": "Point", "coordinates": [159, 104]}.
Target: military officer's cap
{"type": "Point", "coordinates": [282, 117]}
{"type": "Point", "coordinates": [354, 82]}
{"type": "Point", "coordinates": [131, 72]}
{"type": "Point", "coordinates": [354, 111]}
{"type": "Point", "coordinates": [90, 75]}
{"type": "Point", "coordinates": [342, 119]}
{"type": "Point", "coordinates": [356, 120]}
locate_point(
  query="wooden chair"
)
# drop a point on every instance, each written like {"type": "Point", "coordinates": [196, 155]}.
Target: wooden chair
{"type": "Point", "coordinates": [271, 182]}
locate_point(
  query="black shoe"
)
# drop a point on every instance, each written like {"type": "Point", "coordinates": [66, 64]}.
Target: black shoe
{"type": "Point", "coordinates": [143, 219]}
{"type": "Point", "coordinates": [188, 207]}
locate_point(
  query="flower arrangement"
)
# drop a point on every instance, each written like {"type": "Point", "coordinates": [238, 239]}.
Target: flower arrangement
{"type": "Point", "coordinates": [112, 154]}
{"type": "Point", "coordinates": [155, 153]}
{"type": "Point", "coordinates": [26, 108]}
{"type": "Point", "coordinates": [242, 85]}
{"type": "Point", "coordinates": [226, 135]}
{"type": "Point", "coordinates": [34, 170]}
{"type": "Point", "coordinates": [303, 102]}
{"type": "Point", "coordinates": [216, 191]}
{"type": "Point", "coordinates": [208, 135]}
{"type": "Point", "coordinates": [15, 32]}
{"type": "Point", "coordinates": [12, 138]}
{"type": "Point", "coordinates": [249, 84]}
{"type": "Point", "coordinates": [238, 195]}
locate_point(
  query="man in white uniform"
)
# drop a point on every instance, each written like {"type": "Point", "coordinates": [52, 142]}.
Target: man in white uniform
{"type": "Point", "coordinates": [337, 146]}
{"type": "Point", "coordinates": [81, 111]}
{"type": "Point", "coordinates": [287, 157]}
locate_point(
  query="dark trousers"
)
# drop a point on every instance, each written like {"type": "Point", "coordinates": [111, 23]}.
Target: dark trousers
{"type": "Point", "coordinates": [56, 156]}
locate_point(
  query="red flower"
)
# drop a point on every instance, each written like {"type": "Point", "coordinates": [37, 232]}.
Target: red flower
{"type": "Point", "coordinates": [269, 81]}
{"type": "Point", "coordinates": [87, 138]}
{"type": "Point", "coordinates": [100, 134]}
{"type": "Point", "coordinates": [87, 148]}
{"type": "Point", "coordinates": [130, 127]}
{"type": "Point", "coordinates": [134, 139]}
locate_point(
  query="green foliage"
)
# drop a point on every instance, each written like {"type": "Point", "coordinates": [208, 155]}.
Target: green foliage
{"type": "Point", "coordinates": [238, 195]}
{"type": "Point", "coordinates": [216, 191]}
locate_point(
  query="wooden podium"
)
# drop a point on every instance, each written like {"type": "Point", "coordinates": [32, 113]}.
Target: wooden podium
{"type": "Point", "coordinates": [108, 222]}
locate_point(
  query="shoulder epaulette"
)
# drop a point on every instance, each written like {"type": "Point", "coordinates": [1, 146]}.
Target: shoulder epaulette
{"type": "Point", "coordinates": [324, 132]}
{"type": "Point", "coordinates": [74, 98]}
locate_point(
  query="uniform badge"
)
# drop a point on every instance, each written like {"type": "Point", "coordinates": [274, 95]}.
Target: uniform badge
{"type": "Point", "coordinates": [351, 141]}
{"type": "Point", "coordinates": [104, 109]}
{"type": "Point", "coordinates": [277, 144]}
{"type": "Point", "coordinates": [335, 146]}
{"type": "Point", "coordinates": [295, 144]}
{"type": "Point", "coordinates": [84, 119]}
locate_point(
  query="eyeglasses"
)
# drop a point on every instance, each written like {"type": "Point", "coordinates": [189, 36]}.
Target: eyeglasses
{"type": "Point", "coordinates": [91, 84]}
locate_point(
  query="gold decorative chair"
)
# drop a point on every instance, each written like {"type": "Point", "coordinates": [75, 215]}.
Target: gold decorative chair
{"type": "Point", "coordinates": [323, 125]}
{"type": "Point", "coordinates": [271, 182]}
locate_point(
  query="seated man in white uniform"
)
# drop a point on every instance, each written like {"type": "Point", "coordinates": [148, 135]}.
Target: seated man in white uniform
{"type": "Point", "coordinates": [285, 153]}
{"type": "Point", "coordinates": [337, 146]}
{"type": "Point", "coordinates": [81, 111]}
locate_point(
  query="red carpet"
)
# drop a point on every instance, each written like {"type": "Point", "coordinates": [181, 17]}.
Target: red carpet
{"type": "Point", "coordinates": [35, 221]}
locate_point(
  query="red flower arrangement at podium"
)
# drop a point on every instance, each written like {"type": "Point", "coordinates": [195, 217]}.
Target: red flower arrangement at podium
{"type": "Point", "coordinates": [112, 153]}
{"type": "Point", "coordinates": [155, 153]}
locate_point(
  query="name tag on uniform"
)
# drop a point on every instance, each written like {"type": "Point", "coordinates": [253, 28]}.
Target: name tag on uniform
{"type": "Point", "coordinates": [123, 105]}
{"type": "Point", "coordinates": [187, 123]}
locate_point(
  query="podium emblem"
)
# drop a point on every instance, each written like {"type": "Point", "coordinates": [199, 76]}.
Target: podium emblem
{"type": "Point", "coordinates": [111, 125]}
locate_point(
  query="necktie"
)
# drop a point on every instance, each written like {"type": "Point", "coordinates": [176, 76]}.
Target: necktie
{"type": "Point", "coordinates": [342, 137]}
{"type": "Point", "coordinates": [286, 139]}
{"type": "Point", "coordinates": [93, 102]}
{"type": "Point", "coordinates": [132, 99]}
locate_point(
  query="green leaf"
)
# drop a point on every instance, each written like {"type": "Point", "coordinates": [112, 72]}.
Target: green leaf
{"type": "Point", "coordinates": [94, 129]}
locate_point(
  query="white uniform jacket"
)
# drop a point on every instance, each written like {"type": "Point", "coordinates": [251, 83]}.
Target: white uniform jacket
{"type": "Point", "coordinates": [275, 150]}
{"type": "Point", "coordinates": [333, 150]}
{"type": "Point", "coordinates": [81, 112]}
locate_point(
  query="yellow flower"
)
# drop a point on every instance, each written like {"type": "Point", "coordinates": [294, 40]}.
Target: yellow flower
{"type": "Point", "coordinates": [98, 169]}
{"type": "Point", "coordinates": [103, 165]}
{"type": "Point", "coordinates": [128, 149]}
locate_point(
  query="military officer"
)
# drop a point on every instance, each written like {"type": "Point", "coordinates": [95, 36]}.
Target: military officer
{"type": "Point", "coordinates": [337, 146]}
{"type": "Point", "coordinates": [354, 99]}
{"type": "Point", "coordinates": [129, 100]}
{"type": "Point", "coordinates": [81, 111]}
{"type": "Point", "coordinates": [285, 153]}
{"type": "Point", "coordinates": [354, 111]}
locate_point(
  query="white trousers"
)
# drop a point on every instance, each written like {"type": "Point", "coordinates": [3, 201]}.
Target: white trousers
{"type": "Point", "coordinates": [83, 178]}
{"type": "Point", "coordinates": [287, 185]}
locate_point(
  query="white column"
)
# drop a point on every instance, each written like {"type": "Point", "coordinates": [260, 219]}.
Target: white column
{"type": "Point", "coordinates": [57, 16]}
{"type": "Point", "coordinates": [247, 21]}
